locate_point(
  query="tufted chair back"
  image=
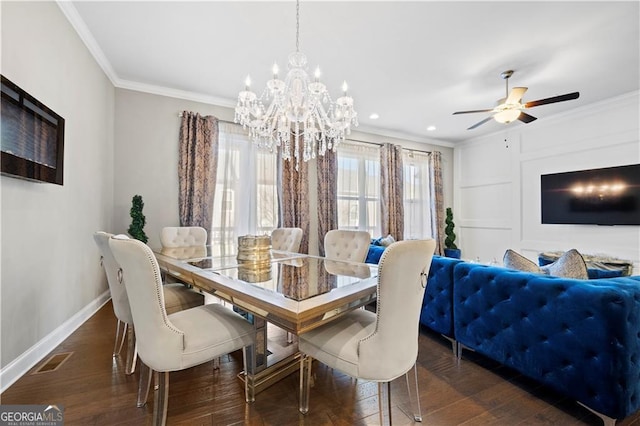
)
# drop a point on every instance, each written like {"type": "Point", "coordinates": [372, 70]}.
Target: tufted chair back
{"type": "Point", "coordinates": [183, 236]}
{"type": "Point", "coordinates": [347, 245]}
{"type": "Point", "coordinates": [158, 340]}
{"type": "Point", "coordinates": [286, 239]}
{"type": "Point", "coordinates": [392, 348]}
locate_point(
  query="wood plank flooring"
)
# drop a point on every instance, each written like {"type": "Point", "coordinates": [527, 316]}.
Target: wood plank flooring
{"type": "Point", "coordinates": [92, 387]}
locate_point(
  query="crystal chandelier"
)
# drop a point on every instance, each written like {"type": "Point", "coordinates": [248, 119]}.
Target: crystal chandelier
{"type": "Point", "coordinates": [296, 111]}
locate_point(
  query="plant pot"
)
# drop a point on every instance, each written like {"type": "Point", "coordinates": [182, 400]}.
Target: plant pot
{"type": "Point", "coordinates": [453, 253]}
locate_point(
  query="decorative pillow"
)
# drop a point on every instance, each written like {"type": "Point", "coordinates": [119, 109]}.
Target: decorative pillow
{"type": "Point", "coordinates": [387, 241]}
{"type": "Point", "coordinates": [570, 265]}
{"type": "Point", "coordinates": [374, 254]}
{"type": "Point", "coordinates": [514, 260]}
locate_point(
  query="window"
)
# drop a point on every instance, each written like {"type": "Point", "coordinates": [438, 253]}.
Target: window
{"type": "Point", "coordinates": [359, 187]}
{"type": "Point", "coordinates": [246, 197]}
{"type": "Point", "coordinates": [417, 205]}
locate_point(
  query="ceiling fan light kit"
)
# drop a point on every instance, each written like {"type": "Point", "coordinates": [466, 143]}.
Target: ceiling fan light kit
{"type": "Point", "coordinates": [510, 108]}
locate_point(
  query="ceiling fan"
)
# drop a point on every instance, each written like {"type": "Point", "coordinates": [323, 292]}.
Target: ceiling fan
{"type": "Point", "coordinates": [511, 108]}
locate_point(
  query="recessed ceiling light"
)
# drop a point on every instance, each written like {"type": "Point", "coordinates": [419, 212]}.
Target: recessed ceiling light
{"type": "Point", "coordinates": [431, 128]}
{"type": "Point", "coordinates": [374, 116]}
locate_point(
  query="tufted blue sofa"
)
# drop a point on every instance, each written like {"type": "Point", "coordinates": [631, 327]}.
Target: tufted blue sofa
{"type": "Point", "coordinates": [437, 303]}
{"type": "Point", "coordinates": [579, 337]}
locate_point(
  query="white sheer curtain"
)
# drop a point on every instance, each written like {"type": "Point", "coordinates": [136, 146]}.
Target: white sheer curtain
{"type": "Point", "coordinates": [417, 208]}
{"type": "Point", "coordinates": [359, 187]}
{"type": "Point", "coordinates": [246, 201]}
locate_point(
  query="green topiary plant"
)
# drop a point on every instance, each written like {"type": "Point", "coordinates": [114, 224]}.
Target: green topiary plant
{"type": "Point", "coordinates": [136, 229]}
{"type": "Point", "coordinates": [449, 242]}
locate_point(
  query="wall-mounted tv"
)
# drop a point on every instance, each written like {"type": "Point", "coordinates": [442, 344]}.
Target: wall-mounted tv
{"type": "Point", "coordinates": [607, 196]}
{"type": "Point", "coordinates": [32, 141]}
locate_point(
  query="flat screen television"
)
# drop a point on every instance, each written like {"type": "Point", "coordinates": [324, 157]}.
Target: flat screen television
{"type": "Point", "coordinates": [607, 196]}
{"type": "Point", "coordinates": [32, 141]}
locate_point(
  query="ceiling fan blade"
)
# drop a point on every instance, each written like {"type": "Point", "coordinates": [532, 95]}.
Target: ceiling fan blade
{"type": "Point", "coordinates": [526, 118]}
{"type": "Point", "coordinates": [473, 111]}
{"type": "Point", "coordinates": [516, 95]}
{"type": "Point", "coordinates": [561, 98]}
{"type": "Point", "coordinates": [480, 123]}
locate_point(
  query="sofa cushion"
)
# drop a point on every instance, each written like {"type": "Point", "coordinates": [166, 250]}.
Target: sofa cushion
{"type": "Point", "coordinates": [570, 265]}
{"type": "Point", "coordinates": [596, 271]}
{"type": "Point", "coordinates": [514, 260]}
{"type": "Point", "coordinates": [374, 254]}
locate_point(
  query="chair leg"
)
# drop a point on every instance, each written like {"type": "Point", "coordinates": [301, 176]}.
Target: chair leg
{"type": "Point", "coordinates": [289, 337]}
{"type": "Point", "coordinates": [117, 348]}
{"type": "Point", "coordinates": [417, 412]}
{"type": "Point", "coordinates": [161, 398]}
{"type": "Point", "coordinates": [384, 402]}
{"type": "Point", "coordinates": [132, 349]}
{"type": "Point", "coordinates": [144, 385]}
{"type": "Point", "coordinates": [249, 361]}
{"type": "Point", "coordinates": [305, 382]}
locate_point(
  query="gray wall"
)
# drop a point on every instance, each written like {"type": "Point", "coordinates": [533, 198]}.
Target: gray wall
{"type": "Point", "coordinates": [50, 265]}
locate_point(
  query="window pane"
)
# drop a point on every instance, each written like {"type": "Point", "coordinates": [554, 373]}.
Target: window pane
{"type": "Point", "coordinates": [245, 201]}
{"type": "Point", "coordinates": [417, 205]}
{"type": "Point", "coordinates": [359, 187]}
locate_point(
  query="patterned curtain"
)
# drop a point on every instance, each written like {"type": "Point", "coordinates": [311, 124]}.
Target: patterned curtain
{"type": "Point", "coordinates": [294, 199]}
{"type": "Point", "coordinates": [327, 195]}
{"type": "Point", "coordinates": [197, 169]}
{"type": "Point", "coordinates": [437, 200]}
{"type": "Point", "coordinates": [391, 180]}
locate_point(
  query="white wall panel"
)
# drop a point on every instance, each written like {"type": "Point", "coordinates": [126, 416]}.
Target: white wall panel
{"type": "Point", "coordinates": [601, 135]}
{"type": "Point", "coordinates": [484, 244]}
{"type": "Point", "coordinates": [484, 206]}
{"type": "Point", "coordinates": [485, 162]}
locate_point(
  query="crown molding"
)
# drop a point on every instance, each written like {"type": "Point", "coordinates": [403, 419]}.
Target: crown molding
{"type": "Point", "coordinates": [72, 15]}
{"type": "Point", "coordinates": [176, 93]}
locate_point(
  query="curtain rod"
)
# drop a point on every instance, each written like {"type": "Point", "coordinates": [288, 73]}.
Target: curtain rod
{"type": "Point", "coordinates": [379, 144]}
{"type": "Point", "coordinates": [349, 139]}
{"type": "Point", "coordinates": [219, 119]}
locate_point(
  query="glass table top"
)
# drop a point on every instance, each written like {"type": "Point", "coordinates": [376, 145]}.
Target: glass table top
{"type": "Point", "coordinates": [295, 276]}
{"type": "Point", "coordinates": [302, 277]}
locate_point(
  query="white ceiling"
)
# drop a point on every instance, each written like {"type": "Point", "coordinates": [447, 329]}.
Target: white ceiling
{"type": "Point", "coordinates": [413, 63]}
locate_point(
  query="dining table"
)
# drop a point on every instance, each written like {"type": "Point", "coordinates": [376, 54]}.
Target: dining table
{"type": "Point", "coordinates": [295, 292]}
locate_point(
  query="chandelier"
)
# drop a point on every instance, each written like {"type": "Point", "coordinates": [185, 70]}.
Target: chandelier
{"type": "Point", "coordinates": [297, 114]}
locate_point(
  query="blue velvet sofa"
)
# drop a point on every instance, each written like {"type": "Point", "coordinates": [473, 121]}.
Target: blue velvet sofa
{"type": "Point", "coordinates": [437, 303]}
{"type": "Point", "coordinates": [579, 337]}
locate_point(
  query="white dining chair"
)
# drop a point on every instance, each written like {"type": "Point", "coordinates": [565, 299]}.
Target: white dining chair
{"type": "Point", "coordinates": [176, 297]}
{"type": "Point", "coordinates": [379, 346]}
{"type": "Point", "coordinates": [286, 239]}
{"type": "Point", "coordinates": [347, 245]}
{"type": "Point", "coordinates": [178, 341]}
{"type": "Point", "coordinates": [183, 236]}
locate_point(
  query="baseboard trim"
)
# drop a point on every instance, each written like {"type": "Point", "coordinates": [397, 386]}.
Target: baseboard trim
{"type": "Point", "coordinates": [22, 364]}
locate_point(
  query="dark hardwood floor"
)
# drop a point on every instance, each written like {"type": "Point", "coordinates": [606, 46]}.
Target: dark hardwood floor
{"type": "Point", "coordinates": [92, 387]}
